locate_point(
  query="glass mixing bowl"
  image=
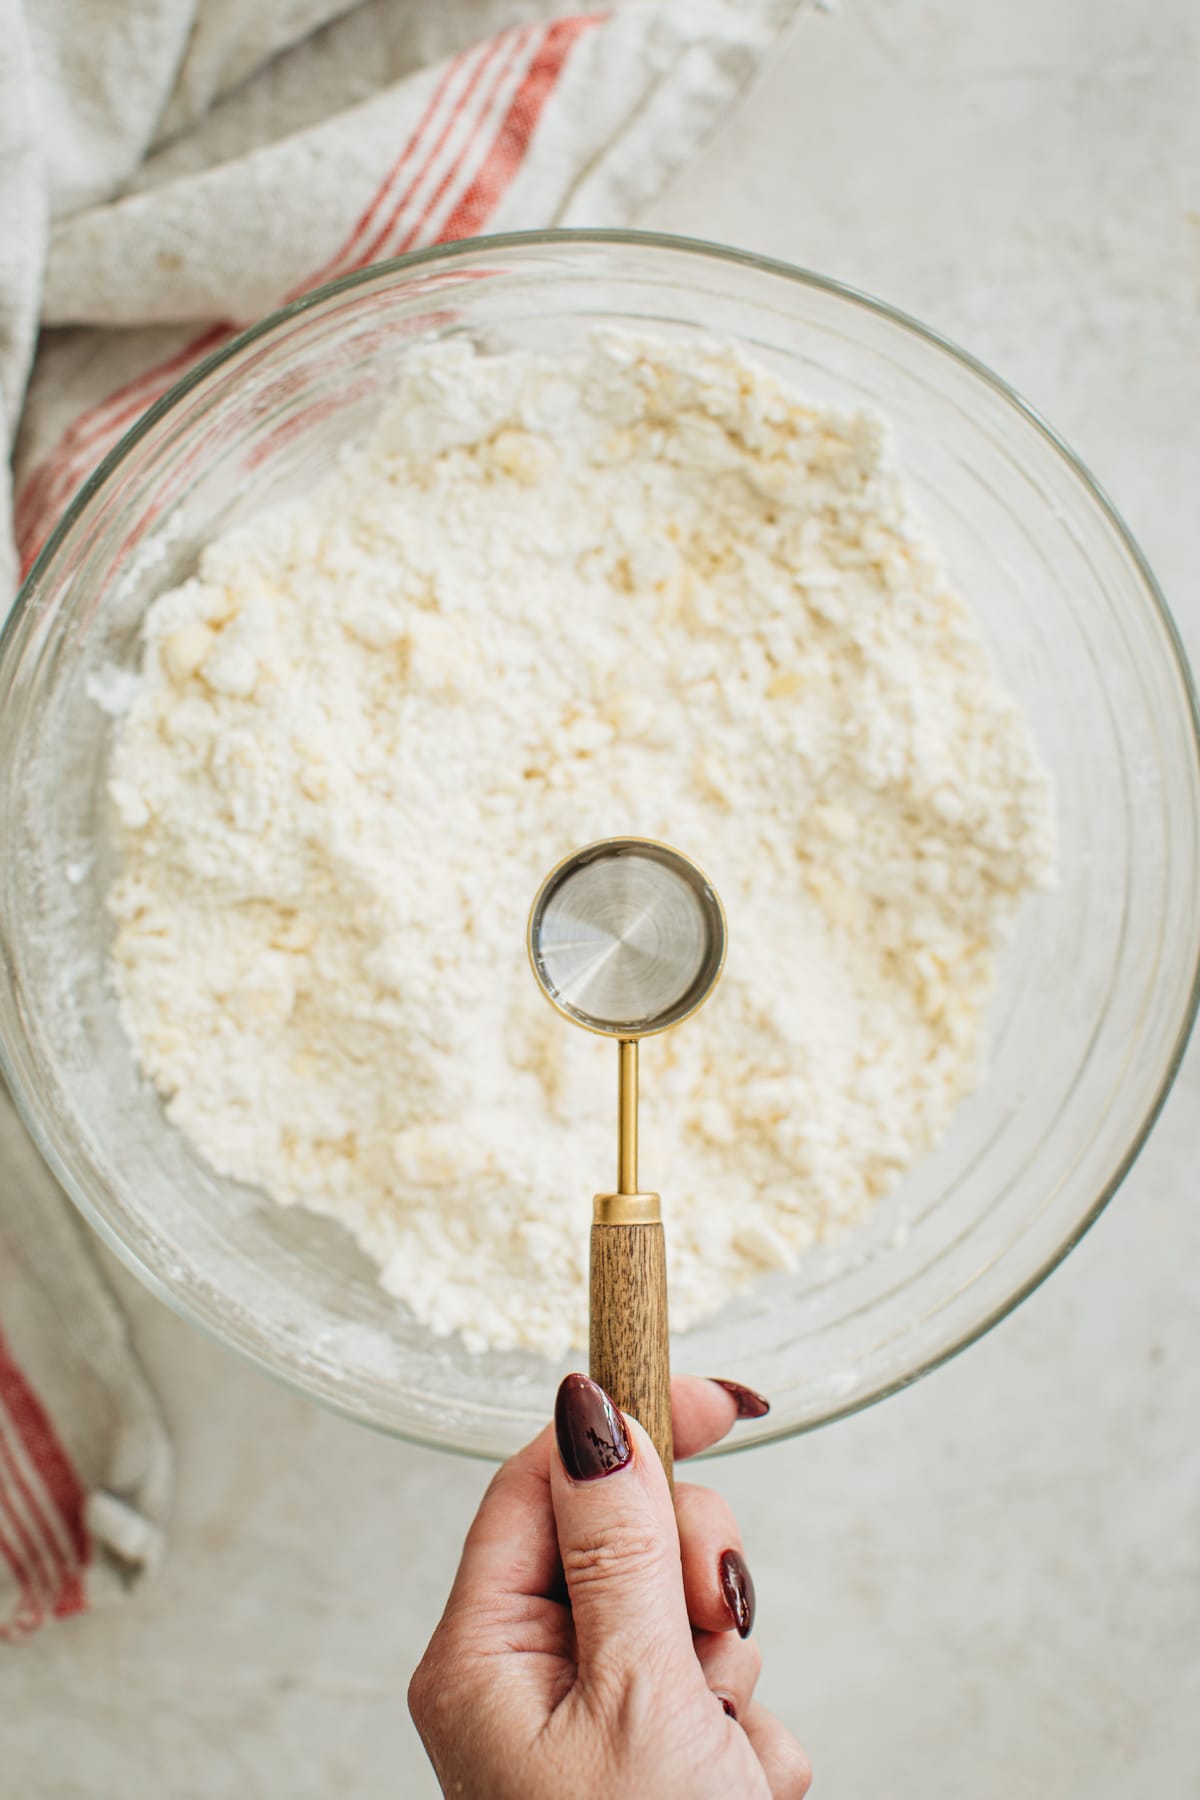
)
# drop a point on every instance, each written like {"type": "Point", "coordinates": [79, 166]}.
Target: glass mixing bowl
{"type": "Point", "coordinates": [1096, 993]}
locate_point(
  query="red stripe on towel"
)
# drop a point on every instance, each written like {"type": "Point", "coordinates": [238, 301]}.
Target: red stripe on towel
{"type": "Point", "coordinates": [59, 1483]}
{"type": "Point", "coordinates": [348, 256]}
{"type": "Point", "coordinates": [374, 251]}
{"type": "Point", "coordinates": [512, 141]}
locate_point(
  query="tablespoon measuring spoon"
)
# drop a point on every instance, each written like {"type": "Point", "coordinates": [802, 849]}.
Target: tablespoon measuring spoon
{"type": "Point", "coordinates": [627, 938]}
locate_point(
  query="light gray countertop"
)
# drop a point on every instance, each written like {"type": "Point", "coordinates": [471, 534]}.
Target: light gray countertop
{"type": "Point", "coordinates": [989, 1586]}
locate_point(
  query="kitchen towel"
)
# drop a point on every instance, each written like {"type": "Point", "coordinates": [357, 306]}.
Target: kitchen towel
{"type": "Point", "coordinates": [170, 170]}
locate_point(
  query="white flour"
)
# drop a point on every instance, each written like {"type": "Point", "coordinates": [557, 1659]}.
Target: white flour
{"type": "Point", "coordinates": [646, 591]}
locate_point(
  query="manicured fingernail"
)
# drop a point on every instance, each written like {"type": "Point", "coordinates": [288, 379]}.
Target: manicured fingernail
{"type": "Point", "coordinates": [749, 1404]}
{"type": "Point", "coordinates": [727, 1703]}
{"type": "Point", "coordinates": [592, 1439]}
{"type": "Point", "coordinates": [738, 1590]}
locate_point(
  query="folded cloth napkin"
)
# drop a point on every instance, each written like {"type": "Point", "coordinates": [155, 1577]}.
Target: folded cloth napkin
{"type": "Point", "coordinates": [169, 170]}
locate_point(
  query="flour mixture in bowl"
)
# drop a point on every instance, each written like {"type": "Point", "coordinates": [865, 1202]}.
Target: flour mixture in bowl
{"type": "Point", "coordinates": [647, 590]}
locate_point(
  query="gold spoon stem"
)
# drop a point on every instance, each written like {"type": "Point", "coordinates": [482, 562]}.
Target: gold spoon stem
{"type": "Point", "coordinates": [627, 1116]}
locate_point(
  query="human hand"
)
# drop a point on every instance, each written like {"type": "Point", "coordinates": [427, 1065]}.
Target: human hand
{"type": "Point", "coordinates": [594, 1642]}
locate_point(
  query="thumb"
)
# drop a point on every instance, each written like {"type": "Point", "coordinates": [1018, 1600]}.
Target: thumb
{"type": "Point", "coordinates": [617, 1536]}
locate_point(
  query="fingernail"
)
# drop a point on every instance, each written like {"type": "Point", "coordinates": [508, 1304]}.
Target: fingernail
{"type": "Point", "coordinates": [749, 1404]}
{"type": "Point", "coordinates": [727, 1703]}
{"type": "Point", "coordinates": [592, 1439]}
{"type": "Point", "coordinates": [738, 1590]}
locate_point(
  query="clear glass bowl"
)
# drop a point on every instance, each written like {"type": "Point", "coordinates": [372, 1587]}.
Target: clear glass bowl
{"type": "Point", "coordinates": [1097, 992]}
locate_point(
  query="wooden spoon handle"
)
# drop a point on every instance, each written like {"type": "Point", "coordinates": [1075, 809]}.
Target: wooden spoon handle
{"type": "Point", "coordinates": [630, 1349]}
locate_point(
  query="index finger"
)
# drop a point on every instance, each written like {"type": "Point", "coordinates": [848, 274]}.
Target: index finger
{"type": "Point", "coordinates": [703, 1412]}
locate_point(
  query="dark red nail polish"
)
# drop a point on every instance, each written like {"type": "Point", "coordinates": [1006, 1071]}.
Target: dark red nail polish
{"type": "Point", "coordinates": [738, 1590]}
{"type": "Point", "coordinates": [592, 1439]}
{"type": "Point", "coordinates": [727, 1703]}
{"type": "Point", "coordinates": [749, 1404]}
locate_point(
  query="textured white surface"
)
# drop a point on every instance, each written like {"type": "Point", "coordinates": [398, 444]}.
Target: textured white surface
{"type": "Point", "coordinates": [297, 852]}
{"type": "Point", "coordinates": [988, 1587]}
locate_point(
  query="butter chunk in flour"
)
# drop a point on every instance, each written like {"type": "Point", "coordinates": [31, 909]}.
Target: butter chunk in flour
{"type": "Point", "coordinates": [645, 589]}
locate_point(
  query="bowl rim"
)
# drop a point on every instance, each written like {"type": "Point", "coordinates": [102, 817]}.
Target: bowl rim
{"type": "Point", "coordinates": [14, 627]}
